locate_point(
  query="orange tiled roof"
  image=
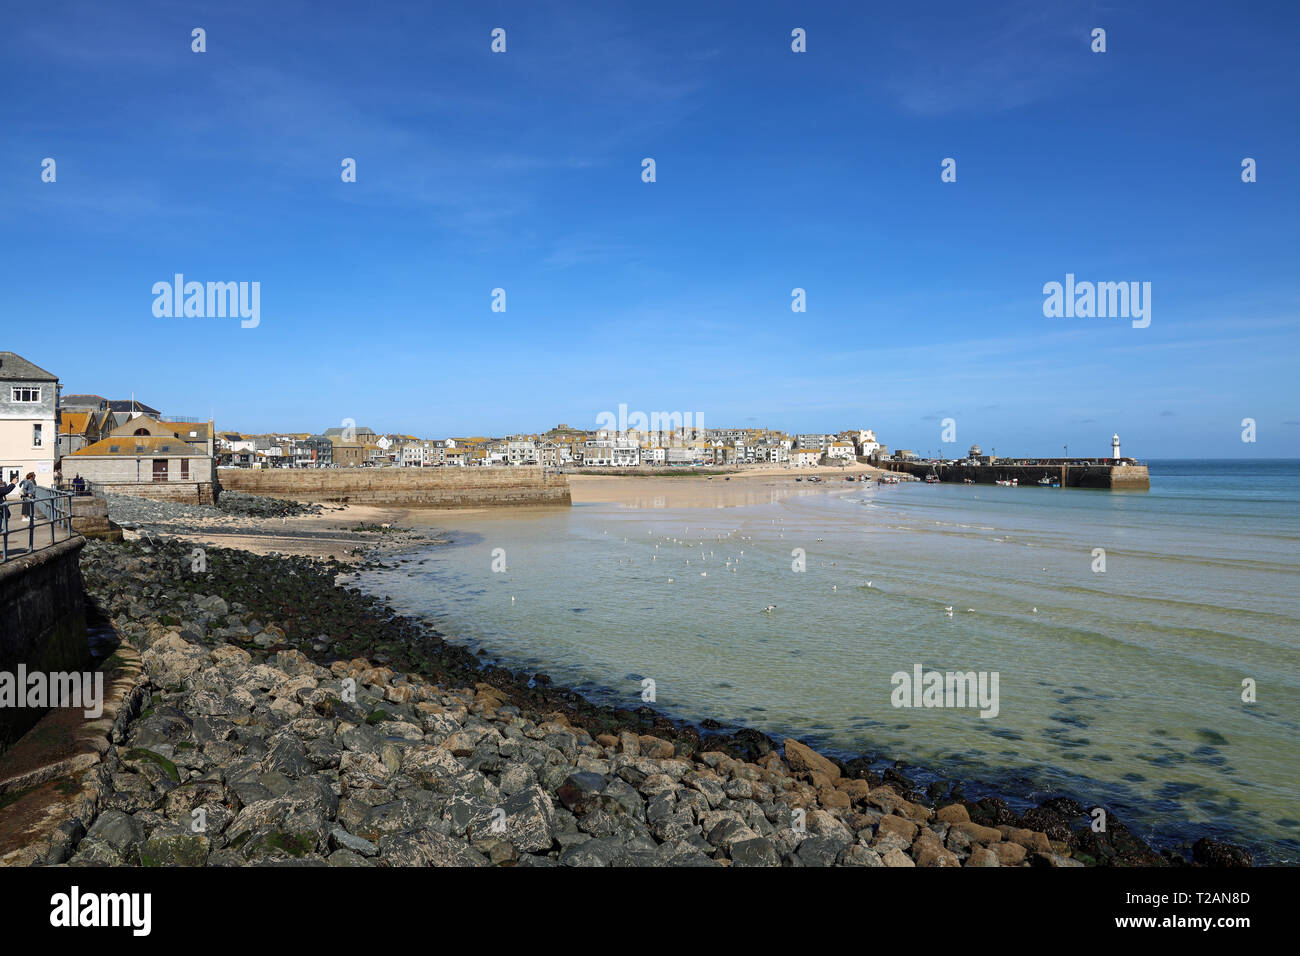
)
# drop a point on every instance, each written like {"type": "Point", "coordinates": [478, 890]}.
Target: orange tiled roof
{"type": "Point", "coordinates": [74, 423]}
{"type": "Point", "coordinates": [129, 446]}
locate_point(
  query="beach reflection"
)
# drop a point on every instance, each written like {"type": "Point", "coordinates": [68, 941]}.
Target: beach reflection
{"type": "Point", "coordinates": [694, 492]}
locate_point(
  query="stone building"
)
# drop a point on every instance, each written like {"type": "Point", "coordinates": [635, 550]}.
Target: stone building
{"type": "Point", "coordinates": [163, 467]}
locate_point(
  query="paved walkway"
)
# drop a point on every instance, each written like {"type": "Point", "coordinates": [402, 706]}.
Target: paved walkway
{"type": "Point", "coordinates": [17, 537]}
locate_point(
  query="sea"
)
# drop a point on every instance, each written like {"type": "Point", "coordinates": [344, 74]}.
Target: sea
{"type": "Point", "coordinates": [1146, 645]}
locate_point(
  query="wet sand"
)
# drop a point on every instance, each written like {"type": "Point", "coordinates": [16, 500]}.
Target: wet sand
{"type": "Point", "coordinates": [332, 534]}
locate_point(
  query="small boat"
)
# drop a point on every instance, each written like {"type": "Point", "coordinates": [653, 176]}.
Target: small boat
{"type": "Point", "coordinates": [1045, 481]}
{"type": "Point", "coordinates": [931, 479]}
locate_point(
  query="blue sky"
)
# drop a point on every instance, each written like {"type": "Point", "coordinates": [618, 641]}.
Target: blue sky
{"type": "Point", "coordinates": [775, 170]}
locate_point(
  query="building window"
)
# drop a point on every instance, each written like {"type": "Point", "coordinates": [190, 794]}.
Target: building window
{"type": "Point", "coordinates": [37, 436]}
{"type": "Point", "coordinates": [185, 469]}
{"type": "Point", "coordinates": [26, 394]}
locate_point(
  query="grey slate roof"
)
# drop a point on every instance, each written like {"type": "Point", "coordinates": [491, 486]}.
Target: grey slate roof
{"type": "Point", "coordinates": [91, 402]}
{"type": "Point", "coordinates": [130, 405]}
{"type": "Point", "coordinates": [14, 366]}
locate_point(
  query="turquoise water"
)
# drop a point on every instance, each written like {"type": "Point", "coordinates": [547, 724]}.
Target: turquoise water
{"type": "Point", "coordinates": [1122, 687]}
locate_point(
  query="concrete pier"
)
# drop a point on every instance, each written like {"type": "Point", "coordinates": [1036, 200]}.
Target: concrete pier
{"type": "Point", "coordinates": [1074, 473]}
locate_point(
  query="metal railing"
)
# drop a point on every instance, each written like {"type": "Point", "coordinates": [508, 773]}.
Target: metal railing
{"type": "Point", "coordinates": [52, 509]}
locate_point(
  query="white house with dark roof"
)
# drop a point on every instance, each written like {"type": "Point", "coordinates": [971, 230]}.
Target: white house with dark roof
{"type": "Point", "coordinates": [29, 414]}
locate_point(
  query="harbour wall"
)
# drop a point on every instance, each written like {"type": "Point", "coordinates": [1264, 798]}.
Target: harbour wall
{"type": "Point", "coordinates": [42, 622]}
{"type": "Point", "coordinates": [404, 487]}
{"type": "Point", "coordinates": [1109, 477]}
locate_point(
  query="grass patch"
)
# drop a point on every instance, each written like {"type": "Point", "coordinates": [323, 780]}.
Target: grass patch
{"type": "Point", "coordinates": [139, 753]}
{"type": "Point", "coordinates": [295, 846]}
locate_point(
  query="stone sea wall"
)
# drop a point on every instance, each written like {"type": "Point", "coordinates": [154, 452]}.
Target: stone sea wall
{"type": "Point", "coordinates": [404, 487]}
{"type": "Point", "coordinates": [42, 621]}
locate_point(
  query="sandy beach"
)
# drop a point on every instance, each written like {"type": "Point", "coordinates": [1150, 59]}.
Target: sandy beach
{"type": "Point", "coordinates": [750, 487]}
{"type": "Point", "coordinates": [335, 533]}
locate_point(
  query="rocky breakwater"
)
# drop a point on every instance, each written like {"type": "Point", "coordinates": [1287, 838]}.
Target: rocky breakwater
{"type": "Point", "coordinates": [244, 750]}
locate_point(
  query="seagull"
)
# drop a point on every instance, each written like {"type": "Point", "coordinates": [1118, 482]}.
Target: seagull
{"type": "Point", "coordinates": [670, 580]}
{"type": "Point", "coordinates": [1035, 610]}
{"type": "Point", "coordinates": [769, 609]}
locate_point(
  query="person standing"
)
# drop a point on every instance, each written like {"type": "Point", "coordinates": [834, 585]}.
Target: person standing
{"type": "Point", "coordinates": [28, 487]}
{"type": "Point", "coordinates": [5, 491]}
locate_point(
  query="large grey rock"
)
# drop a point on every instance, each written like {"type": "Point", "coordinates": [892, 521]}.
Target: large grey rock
{"type": "Point", "coordinates": [756, 852]}
{"type": "Point", "coordinates": [529, 820]}
{"type": "Point", "coordinates": [427, 848]}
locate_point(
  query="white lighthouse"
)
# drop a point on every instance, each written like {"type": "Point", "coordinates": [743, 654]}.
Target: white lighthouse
{"type": "Point", "coordinates": [1114, 447]}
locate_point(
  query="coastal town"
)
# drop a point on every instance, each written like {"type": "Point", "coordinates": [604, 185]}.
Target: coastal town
{"type": "Point", "coordinates": [127, 441]}
{"type": "Point", "coordinates": [560, 447]}
{"type": "Point", "coordinates": [128, 446]}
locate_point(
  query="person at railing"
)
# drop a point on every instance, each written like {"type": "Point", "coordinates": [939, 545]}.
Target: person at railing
{"type": "Point", "coordinates": [28, 487]}
{"type": "Point", "coordinates": [5, 491]}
